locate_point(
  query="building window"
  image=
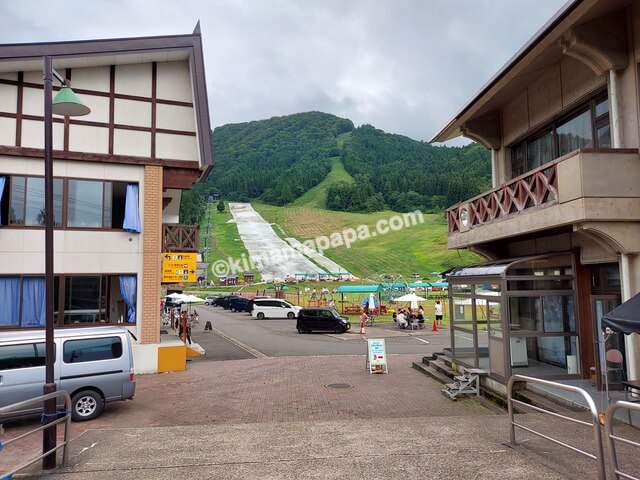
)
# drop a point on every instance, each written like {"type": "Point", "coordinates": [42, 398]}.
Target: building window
{"type": "Point", "coordinates": [587, 126]}
{"type": "Point", "coordinates": [575, 133]}
{"type": "Point", "coordinates": [26, 204]}
{"type": "Point", "coordinates": [540, 150]}
{"type": "Point", "coordinates": [86, 300]}
{"type": "Point", "coordinates": [96, 204]}
{"type": "Point", "coordinates": [76, 203]}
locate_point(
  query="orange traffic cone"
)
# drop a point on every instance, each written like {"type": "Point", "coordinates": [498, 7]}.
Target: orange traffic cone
{"type": "Point", "coordinates": [435, 326]}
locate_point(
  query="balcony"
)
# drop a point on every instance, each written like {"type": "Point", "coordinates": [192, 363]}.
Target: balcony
{"type": "Point", "coordinates": [588, 185]}
{"type": "Point", "coordinates": [180, 238]}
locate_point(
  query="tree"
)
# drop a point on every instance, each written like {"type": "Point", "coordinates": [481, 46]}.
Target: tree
{"type": "Point", "coordinates": [220, 206]}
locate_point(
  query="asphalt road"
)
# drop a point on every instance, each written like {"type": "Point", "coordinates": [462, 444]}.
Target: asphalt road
{"type": "Point", "coordinates": [246, 337]}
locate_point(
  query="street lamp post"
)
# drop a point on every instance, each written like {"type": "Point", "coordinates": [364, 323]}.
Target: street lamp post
{"type": "Point", "coordinates": [67, 104]}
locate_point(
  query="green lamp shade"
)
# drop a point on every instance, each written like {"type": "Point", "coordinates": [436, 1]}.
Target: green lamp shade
{"type": "Point", "coordinates": [66, 103]}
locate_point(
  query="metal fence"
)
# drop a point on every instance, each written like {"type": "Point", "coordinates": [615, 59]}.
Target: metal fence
{"type": "Point", "coordinates": [63, 417]}
{"type": "Point", "coordinates": [610, 438]}
{"type": "Point", "coordinates": [594, 424]}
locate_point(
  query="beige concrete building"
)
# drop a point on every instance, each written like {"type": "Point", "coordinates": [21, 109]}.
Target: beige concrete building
{"type": "Point", "coordinates": [561, 227]}
{"type": "Point", "coordinates": [119, 173]}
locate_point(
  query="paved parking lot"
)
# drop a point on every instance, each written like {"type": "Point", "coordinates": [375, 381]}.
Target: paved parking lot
{"type": "Point", "coordinates": [278, 418]}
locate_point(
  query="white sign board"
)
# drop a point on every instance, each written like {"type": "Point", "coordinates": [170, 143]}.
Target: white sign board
{"type": "Point", "coordinates": [376, 356]}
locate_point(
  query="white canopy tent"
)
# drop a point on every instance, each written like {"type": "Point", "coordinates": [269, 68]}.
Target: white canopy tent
{"type": "Point", "coordinates": [412, 298]}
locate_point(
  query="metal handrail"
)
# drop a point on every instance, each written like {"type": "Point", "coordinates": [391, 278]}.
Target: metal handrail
{"type": "Point", "coordinates": [595, 423]}
{"type": "Point", "coordinates": [610, 437]}
{"type": "Point", "coordinates": [66, 418]}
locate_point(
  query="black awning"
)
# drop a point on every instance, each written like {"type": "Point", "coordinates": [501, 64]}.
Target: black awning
{"type": "Point", "coordinates": [624, 318]}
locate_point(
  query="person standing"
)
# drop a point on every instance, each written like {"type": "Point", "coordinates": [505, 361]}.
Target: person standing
{"type": "Point", "coordinates": [420, 316]}
{"type": "Point", "coordinates": [438, 309]}
{"type": "Point", "coordinates": [185, 329]}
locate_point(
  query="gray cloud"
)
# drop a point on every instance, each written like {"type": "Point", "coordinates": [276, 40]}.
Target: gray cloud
{"type": "Point", "coordinates": [405, 66]}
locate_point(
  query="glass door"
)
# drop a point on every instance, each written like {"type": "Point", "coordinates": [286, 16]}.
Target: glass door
{"type": "Point", "coordinates": [602, 305]}
{"type": "Point", "coordinates": [496, 344]}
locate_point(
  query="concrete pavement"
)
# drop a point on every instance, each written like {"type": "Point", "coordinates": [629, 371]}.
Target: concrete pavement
{"type": "Point", "coordinates": [278, 418]}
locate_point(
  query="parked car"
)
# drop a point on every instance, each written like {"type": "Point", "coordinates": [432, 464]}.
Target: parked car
{"type": "Point", "coordinates": [94, 365]}
{"type": "Point", "coordinates": [326, 319]}
{"type": "Point", "coordinates": [238, 304]}
{"type": "Point", "coordinates": [273, 308]}
{"type": "Point", "coordinates": [219, 301]}
{"type": "Point", "coordinates": [226, 301]}
{"type": "Point", "coordinates": [210, 300]}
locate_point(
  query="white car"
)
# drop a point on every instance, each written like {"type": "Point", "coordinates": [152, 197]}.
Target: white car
{"type": "Point", "coordinates": [273, 308]}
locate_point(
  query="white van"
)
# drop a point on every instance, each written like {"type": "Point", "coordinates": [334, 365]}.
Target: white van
{"type": "Point", "coordinates": [273, 308]}
{"type": "Point", "coordinates": [94, 365]}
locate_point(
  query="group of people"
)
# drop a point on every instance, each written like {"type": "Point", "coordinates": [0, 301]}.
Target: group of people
{"type": "Point", "coordinates": [182, 322]}
{"type": "Point", "coordinates": [404, 317]}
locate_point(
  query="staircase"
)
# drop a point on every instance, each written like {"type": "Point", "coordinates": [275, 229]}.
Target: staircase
{"type": "Point", "coordinates": [439, 367]}
{"type": "Point", "coordinates": [465, 384]}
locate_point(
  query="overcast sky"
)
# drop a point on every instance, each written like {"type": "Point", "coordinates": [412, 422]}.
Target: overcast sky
{"type": "Point", "coordinates": [405, 66]}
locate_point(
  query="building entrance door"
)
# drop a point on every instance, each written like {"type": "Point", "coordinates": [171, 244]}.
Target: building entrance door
{"type": "Point", "coordinates": [497, 364]}
{"type": "Point", "coordinates": [601, 305]}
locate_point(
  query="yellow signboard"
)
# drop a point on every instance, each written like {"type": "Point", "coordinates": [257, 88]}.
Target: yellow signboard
{"type": "Point", "coordinates": [178, 267]}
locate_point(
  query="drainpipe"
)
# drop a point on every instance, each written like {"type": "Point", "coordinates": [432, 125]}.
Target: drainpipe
{"type": "Point", "coordinates": [494, 168]}
{"type": "Point", "coordinates": [630, 341]}
{"type": "Point", "coordinates": [616, 137]}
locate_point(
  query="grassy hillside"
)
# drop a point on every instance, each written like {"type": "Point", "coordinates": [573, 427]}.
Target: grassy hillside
{"type": "Point", "coordinates": [317, 196]}
{"type": "Point", "coordinates": [421, 249]}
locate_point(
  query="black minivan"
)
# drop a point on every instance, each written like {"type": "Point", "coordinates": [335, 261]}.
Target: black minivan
{"type": "Point", "coordinates": [327, 319]}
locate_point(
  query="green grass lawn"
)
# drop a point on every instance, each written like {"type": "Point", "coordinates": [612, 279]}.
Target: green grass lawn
{"type": "Point", "coordinates": [225, 241]}
{"type": "Point", "coordinates": [317, 196]}
{"type": "Point", "coordinates": [421, 249]}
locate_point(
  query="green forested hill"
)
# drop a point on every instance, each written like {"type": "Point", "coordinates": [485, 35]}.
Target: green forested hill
{"type": "Point", "coordinates": [403, 174]}
{"type": "Point", "coordinates": [276, 160]}
{"type": "Point", "coordinates": [319, 160]}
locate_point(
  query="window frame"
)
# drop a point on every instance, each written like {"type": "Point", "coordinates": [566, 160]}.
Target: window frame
{"type": "Point", "coordinates": [521, 165]}
{"type": "Point", "coordinates": [86, 342]}
{"type": "Point", "coordinates": [63, 222]}
{"type": "Point", "coordinates": [60, 281]}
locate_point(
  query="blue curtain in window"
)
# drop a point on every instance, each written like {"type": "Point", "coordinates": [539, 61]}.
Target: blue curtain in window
{"type": "Point", "coordinates": [9, 300]}
{"type": "Point", "coordinates": [2, 182]}
{"type": "Point", "coordinates": [131, 210]}
{"type": "Point", "coordinates": [33, 302]}
{"type": "Point", "coordinates": [128, 287]}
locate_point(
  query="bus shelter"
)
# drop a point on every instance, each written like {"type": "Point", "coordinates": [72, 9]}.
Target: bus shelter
{"type": "Point", "coordinates": [516, 316]}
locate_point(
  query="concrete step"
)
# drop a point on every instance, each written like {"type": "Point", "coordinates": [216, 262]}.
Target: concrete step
{"type": "Point", "coordinates": [194, 349]}
{"type": "Point", "coordinates": [441, 357]}
{"type": "Point", "coordinates": [443, 368]}
{"type": "Point", "coordinates": [427, 370]}
{"type": "Point", "coordinates": [539, 401]}
{"type": "Point", "coordinates": [566, 404]}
